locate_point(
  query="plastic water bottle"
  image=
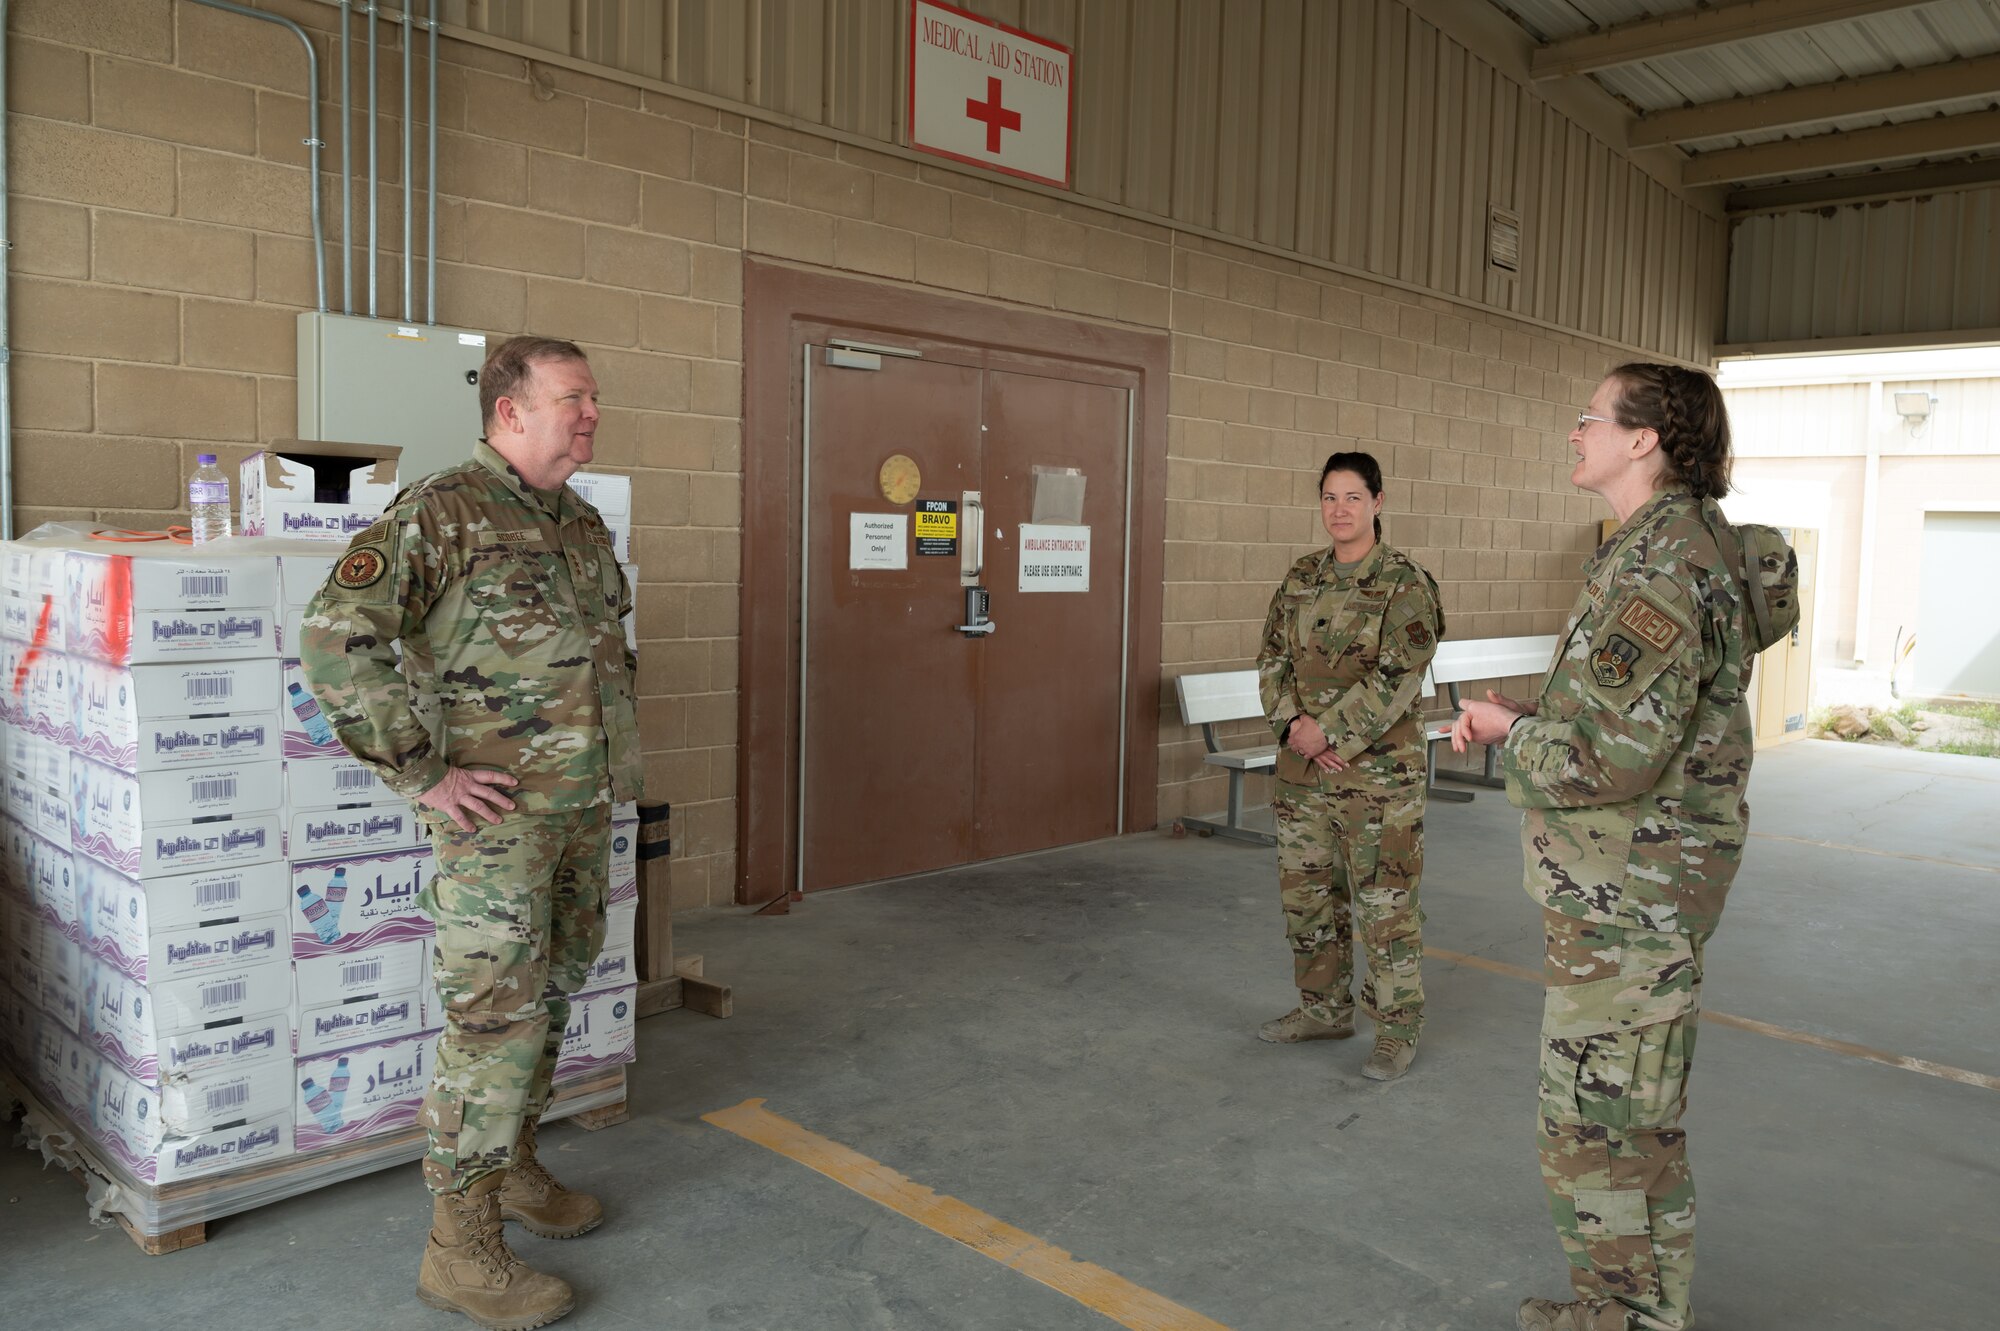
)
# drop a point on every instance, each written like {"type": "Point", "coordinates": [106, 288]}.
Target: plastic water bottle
{"type": "Point", "coordinates": [336, 1085]}
{"type": "Point", "coordinates": [314, 909]}
{"type": "Point", "coordinates": [321, 1104]}
{"type": "Point", "coordinates": [208, 501]}
{"type": "Point", "coordinates": [336, 896]}
{"type": "Point", "coordinates": [306, 708]}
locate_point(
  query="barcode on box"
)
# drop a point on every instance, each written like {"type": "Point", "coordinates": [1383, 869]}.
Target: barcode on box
{"type": "Point", "coordinates": [217, 894]}
{"type": "Point", "coordinates": [227, 1097]}
{"type": "Point", "coordinates": [215, 788]}
{"type": "Point", "coordinates": [222, 995]}
{"type": "Point", "coordinates": [204, 584]}
{"type": "Point", "coordinates": [205, 688]}
{"type": "Point", "coordinates": [353, 778]}
{"type": "Point", "coordinates": [360, 972]}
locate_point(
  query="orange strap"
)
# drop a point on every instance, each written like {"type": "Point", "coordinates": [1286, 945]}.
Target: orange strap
{"type": "Point", "coordinates": [126, 535]}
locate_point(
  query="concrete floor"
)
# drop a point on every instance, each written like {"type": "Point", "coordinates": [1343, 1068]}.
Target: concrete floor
{"type": "Point", "coordinates": [1065, 1043]}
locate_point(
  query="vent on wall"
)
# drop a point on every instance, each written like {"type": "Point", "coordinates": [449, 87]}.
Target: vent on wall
{"type": "Point", "coordinates": [1503, 240]}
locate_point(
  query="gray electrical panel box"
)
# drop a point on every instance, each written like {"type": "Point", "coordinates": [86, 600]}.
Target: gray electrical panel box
{"type": "Point", "coordinates": [376, 381]}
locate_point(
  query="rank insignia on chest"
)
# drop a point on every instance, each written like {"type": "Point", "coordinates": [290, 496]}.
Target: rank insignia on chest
{"type": "Point", "coordinates": [1611, 665]}
{"type": "Point", "coordinates": [360, 568]}
{"type": "Point", "coordinates": [1650, 623]}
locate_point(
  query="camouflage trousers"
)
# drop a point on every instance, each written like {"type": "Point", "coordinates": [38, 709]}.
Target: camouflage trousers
{"type": "Point", "coordinates": [1349, 860]}
{"type": "Point", "coordinates": [519, 907]}
{"type": "Point", "coordinates": [1618, 1028]}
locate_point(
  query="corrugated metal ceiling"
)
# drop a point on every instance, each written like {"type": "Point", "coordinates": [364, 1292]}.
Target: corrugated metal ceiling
{"type": "Point", "coordinates": [1922, 35]}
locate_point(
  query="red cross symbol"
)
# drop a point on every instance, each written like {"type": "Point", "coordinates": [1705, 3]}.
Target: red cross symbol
{"type": "Point", "coordinates": [996, 117]}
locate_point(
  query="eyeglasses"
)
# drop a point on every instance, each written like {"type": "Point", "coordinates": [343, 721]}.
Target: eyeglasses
{"type": "Point", "coordinates": [1584, 418]}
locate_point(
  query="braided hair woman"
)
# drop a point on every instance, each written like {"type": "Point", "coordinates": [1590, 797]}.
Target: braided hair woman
{"type": "Point", "coordinates": [1631, 765]}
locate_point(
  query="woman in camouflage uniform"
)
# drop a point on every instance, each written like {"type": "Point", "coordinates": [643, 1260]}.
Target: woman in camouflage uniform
{"type": "Point", "coordinates": [1631, 764]}
{"type": "Point", "coordinates": [1351, 631]}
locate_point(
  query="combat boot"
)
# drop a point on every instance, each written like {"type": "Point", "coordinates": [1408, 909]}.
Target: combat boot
{"type": "Point", "coordinates": [1298, 1024]}
{"type": "Point", "coordinates": [532, 1196]}
{"type": "Point", "coordinates": [1391, 1059]}
{"type": "Point", "coordinates": [1586, 1315]}
{"type": "Point", "coordinates": [468, 1267]}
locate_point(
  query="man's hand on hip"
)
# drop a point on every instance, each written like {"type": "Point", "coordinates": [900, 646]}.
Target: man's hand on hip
{"type": "Point", "coordinates": [466, 792]}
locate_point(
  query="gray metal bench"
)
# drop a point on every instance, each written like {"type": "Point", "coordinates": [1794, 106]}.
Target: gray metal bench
{"type": "Point", "coordinates": [1462, 663]}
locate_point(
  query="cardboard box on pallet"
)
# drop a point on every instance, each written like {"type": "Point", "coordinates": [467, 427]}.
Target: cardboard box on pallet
{"type": "Point", "coordinates": [600, 1033]}
{"type": "Point", "coordinates": [362, 995]}
{"type": "Point", "coordinates": [361, 1092]}
{"type": "Point", "coordinates": [167, 927]}
{"type": "Point", "coordinates": [177, 820]}
{"type": "Point", "coordinates": [138, 607]}
{"type": "Point", "coordinates": [356, 902]}
{"type": "Point", "coordinates": [300, 576]}
{"type": "Point", "coordinates": [316, 490]}
{"type": "Point", "coordinates": [149, 717]}
{"type": "Point", "coordinates": [166, 1136]}
{"type": "Point", "coordinates": [362, 829]}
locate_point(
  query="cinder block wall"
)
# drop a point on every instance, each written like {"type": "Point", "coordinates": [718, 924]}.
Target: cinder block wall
{"type": "Point", "coordinates": [162, 253]}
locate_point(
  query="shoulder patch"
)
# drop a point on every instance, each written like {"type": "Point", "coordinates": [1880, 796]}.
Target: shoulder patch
{"type": "Point", "coordinates": [1612, 663]}
{"type": "Point", "coordinates": [1650, 623]}
{"type": "Point", "coordinates": [1418, 633]}
{"type": "Point", "coordinates": [360, 568]}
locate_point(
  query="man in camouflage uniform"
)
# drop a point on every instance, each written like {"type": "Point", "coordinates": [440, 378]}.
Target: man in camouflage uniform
{"type": "Point", "coordinates": [503, 588]}
{"type": "Point", "coordinates": [1347, 649]}
{"type": "Point", "coordinates": [1631, 764]}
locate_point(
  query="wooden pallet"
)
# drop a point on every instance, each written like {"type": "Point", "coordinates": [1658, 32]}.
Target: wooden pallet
{"type": "Point", "coordinates": [380, 1152]}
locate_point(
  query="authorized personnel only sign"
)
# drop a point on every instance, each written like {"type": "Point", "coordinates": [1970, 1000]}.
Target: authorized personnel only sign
{"type": "Point", "coordinates": [988, 94]}
{"type": "Point", "coordinates": [1055, 558]}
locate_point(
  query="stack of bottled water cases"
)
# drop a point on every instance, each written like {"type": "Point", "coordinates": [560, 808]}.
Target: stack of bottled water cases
{"type": "Point", "coordinates": [147, 993]}
{"type": "Point", "coordinates": [361, 940]}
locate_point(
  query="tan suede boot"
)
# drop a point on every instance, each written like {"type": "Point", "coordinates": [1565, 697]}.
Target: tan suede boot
{"type": "Point", "coordinates": [1547, 1315]}
{"type": "Point", "coordinates": [1299, 1025]}
{"type": "Point", "coordinates": [544, 1206]}
{"type": "Point", "coordinates": [1391, 1059]}
{"type": "Point", "coordinates": [468, 1267]}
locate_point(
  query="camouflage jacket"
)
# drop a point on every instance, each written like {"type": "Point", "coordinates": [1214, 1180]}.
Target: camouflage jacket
{"type": "Point", "coordinates": [507, 601]}
{"type": "Point", "coordinates": [1634, 767]}
{"type": "Point", "coordinates": [1351, 652]}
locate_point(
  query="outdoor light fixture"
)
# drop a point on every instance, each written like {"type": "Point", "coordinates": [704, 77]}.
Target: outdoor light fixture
{"type": "Point", "coordinates": [1915, 409]}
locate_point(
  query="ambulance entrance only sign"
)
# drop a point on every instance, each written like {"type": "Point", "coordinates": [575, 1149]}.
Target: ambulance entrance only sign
{"type": "Point", "coordinates": [988, 94]}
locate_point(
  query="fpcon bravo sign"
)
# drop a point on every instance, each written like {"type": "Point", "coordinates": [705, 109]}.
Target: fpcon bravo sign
{"type": "Point", "coordinates": [988, 94]}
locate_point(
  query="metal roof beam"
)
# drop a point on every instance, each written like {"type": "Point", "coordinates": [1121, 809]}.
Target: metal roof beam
{"type": "Point", "coordinates": [1867, 188]}
{"type": "Point", "coordinates": [1648, 39]}
{"type": "Point", "coordinates": [1943, 82]}
{"type": "Point", "coordinates": [1938, 136]}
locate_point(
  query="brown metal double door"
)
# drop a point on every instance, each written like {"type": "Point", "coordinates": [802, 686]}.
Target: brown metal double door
{"type": "Point", "coordinates": [924, 746]}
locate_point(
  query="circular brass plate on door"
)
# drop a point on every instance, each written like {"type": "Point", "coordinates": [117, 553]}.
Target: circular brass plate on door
{"type": "Point", "coordinates": [900, 478]}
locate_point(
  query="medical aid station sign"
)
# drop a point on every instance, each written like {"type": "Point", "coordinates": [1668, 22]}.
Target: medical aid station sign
{"type": "Point", "coordinates": [984, 93]}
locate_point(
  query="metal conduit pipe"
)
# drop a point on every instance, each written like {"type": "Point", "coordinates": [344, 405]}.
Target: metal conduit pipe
{"type": "Point", "coordinates": [431, 182]}
{"type": "Point", "coordinates": [346, 167]}
{"type": "Point", "coordinates": [312, 140]}
{"type": "Point", "coordinates": [370, 11]}
{"type": "Point", "coordinates": [6, 346]}
{"type": "Point", "coordinates": [409, 297]}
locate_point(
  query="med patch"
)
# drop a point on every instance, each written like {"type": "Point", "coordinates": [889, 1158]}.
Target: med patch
{"type": "Point", "coordinates": [1649, 623]}
{"type": "Point", "coordinates": [1611, 665]}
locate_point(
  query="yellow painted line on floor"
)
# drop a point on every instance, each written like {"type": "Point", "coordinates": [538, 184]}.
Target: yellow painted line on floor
{"type": "Point", "coordinates": [1094, 1287]}
{"type": "Point", "coordinates": [1885, 854]}
{"type": "Point", "coordinates": [1943, 1071]}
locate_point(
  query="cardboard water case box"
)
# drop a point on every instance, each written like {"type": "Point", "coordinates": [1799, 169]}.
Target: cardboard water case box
{"type": "Point", "coordinates": [620, 925]}
{"type": "Point", "coordinates": [611, 496]}
{"type": "Point", "coordinates": [614, 969]}
{"type": "Point", "coordinates": [177, 820]}
{"type": "Point", "coordinates": [281, 488]}
{"type": "Point", "coordinates": [300, 576]}
{"type": "Point", "coordinates": [54, 886]}
{"type": "Point", "coordinates": [129, 1121]}
{"type": "Point", "coordinates": [364, 974]}
{"type": "Point", "coordinates": [222, 1013]}
{"type": "Point", "coordinates": [131, 609]}
{"type": "Point", "coordinates": [600, 1033]}
{"type": "Point", "coordinates": [367, 1020]}
{"type": "Point", "coordinates": [361, 1092]}
{"type": "Point", "coordinates": [173, 714]}
{"type": "Point", "coordinates": [331, 783]}
{"type": "Point", "coordinates": [624, 868]}
{"type": "Point", "coordinates": [167, 927]}
{"type": "Point", "coordinates": [34, 596]}
{"type": "Point", "coordinates": [357, 902]}
{"type": "Point", "coordinates": [356, 830]}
